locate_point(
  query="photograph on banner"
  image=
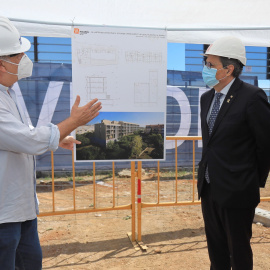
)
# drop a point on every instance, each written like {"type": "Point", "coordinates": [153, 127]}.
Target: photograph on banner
{"type": "Point", "coordinates": [126, 69]}
{"type": "Point", "coordinates": [122, 136]}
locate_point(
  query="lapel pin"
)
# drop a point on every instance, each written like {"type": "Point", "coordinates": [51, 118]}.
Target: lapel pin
{"type": "Point", "coordinates": [228, 100]}
{"type": "Point", "coordinates": [231, 96]}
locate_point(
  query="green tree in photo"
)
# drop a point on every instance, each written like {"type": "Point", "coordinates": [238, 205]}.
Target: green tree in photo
{"type": "Point", "coordinates": [84, 154]}
{"type": "Point", "coordinates": [114, 151]}
{"type": "Point", "coordinates": [83, 139]}
{"type": "Point", "coordinates": [156, 140]}
{"type": "Point", "coordinates": [136, 146]}
{"type": "Point", "coordinates": [125, 143]}
{"type": "Point", "coordinates": [110, 145]}
{"type": "Point", "coordinates": [90, 153]}
{"type": "Point", "coordinates": [157, 153]}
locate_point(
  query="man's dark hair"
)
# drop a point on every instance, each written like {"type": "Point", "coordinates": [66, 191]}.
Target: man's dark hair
{"type": "Point", "coordinates": [238, 66]}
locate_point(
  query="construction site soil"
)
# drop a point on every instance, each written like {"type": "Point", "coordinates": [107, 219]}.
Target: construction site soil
{"type": "Point", "coordinates": [174, 235]}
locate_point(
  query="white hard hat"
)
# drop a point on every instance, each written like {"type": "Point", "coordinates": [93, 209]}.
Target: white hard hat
{"type": "Point", "coordinates": [10, 40]}
{"type": "Point", "coordinates": [230, 47]}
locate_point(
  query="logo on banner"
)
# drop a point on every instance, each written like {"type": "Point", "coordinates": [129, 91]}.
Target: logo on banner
{"type": "Point", "coordinates": [78, 32]}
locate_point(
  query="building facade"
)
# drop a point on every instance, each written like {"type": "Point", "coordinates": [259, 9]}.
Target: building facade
{"type": "Point", "coordinates": [156, 129]}
{"type": "Point", "coordinates": [84, 129]}
{"type": "Point", "coordinates": [108, 131]}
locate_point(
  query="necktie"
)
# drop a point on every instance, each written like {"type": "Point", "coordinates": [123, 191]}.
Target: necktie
{"type": "Point", "coordinates": [211, 123]}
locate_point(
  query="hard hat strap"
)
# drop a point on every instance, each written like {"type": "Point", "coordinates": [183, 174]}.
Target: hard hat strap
{"type": "Point", "coordinates": [10, 62]}
{"type": "Point", "coordinates": [16, 74]}
{"type": "Point", "coordinates": [13, 64]}
{"type": "Point", "coordinates": [25, 67]}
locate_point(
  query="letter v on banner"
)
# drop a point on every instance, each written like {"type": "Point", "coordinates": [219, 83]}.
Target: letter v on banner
{"type": "Point", "coordinates": [48, 106]}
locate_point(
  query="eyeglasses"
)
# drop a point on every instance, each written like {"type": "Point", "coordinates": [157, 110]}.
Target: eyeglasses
{"type": "Point", "coordinates": [15, 54]}
{"type": "Point", "coordinates": [207, 64]}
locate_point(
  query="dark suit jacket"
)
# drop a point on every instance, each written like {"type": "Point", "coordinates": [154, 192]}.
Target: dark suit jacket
{"type": "Point", "coordinates": [238, 151]}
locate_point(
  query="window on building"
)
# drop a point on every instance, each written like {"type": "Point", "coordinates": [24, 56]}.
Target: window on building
{"type": "Point", "coordinates": [50, 49]}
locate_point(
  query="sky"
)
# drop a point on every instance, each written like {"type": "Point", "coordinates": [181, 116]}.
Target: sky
{"type": "Point", "coordinates": [141, 118]}
{"type": "Point", "coordinates": [176, 56]}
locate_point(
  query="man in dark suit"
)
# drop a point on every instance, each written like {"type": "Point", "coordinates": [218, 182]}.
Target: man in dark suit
{"type": "Point", "coordinates": [235, 122]}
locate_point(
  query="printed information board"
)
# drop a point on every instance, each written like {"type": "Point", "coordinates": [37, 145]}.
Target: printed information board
{"type": "Point", "coordinates": [126, 69]}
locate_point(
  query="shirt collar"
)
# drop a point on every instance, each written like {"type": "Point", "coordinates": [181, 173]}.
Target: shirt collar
{"type": "Point", "coordinates": [225, 90]}
{"type": "Point", "coordinates": [3, 88]}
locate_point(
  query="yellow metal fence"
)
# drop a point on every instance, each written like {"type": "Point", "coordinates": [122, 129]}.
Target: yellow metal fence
{"type": "Point", "coordinates": [136, 203]}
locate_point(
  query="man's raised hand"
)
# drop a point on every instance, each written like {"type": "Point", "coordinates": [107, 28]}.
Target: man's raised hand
{"type": "Point", "coordinates": [79, 116]}
{"type": "Point", "coordinates": [83, 115]}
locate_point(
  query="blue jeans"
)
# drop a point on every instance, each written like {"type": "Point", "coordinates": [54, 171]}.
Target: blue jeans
{"type": "Point", "coordinates": [19, 246]}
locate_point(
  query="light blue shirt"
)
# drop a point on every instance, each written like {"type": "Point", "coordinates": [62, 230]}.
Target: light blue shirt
{"type": "Point", "coordinates": [18, 145]}
{"type": "Point", "coordinates": [224, 91]}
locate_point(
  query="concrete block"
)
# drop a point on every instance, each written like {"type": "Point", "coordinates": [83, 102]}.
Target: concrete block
{"type": "Point", "coordinates": [262, 216]}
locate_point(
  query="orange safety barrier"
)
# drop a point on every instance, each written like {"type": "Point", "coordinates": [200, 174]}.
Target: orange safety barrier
{"type": "Point", "coordinates": [133, 207]}
{"type": "Point", "coordinates": [75, 210]}
{"type": "Point", "coordinates": [142, 205]}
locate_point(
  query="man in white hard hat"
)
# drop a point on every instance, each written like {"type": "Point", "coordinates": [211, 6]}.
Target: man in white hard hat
{"type": "Point", "coordinates": [235, 122]}
{"type": "Point", "coordinates": [19, 242]}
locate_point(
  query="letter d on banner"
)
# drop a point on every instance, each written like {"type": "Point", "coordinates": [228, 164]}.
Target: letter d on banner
{"type": "Point", "coordinates": [184, 127]}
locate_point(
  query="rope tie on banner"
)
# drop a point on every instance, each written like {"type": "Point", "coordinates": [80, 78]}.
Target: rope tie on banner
{"type": "Point", "coordinates": [72, 21]}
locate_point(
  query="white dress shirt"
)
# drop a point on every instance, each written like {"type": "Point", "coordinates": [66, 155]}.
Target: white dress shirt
{"type": "Point", "coordinates": [18, 145]}
{"type": "Point", "coordinates": [224, 91]}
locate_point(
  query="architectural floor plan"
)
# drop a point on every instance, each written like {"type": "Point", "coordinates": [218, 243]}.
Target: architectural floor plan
{"type": "Point", "coordinates": [124, 68]}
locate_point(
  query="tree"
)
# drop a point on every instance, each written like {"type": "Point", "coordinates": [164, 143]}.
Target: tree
{"type": "Point", "coordinates": [157, 153]}
{"type": "Point", "coordinates": [110, 145]}
{"type": "Point", "coordinates": [83, 139]}
{"type": "Point", "coordinates": [136, 146]}
{"type": "Point", "coordinates": [84, 154]}
{"type": "Point", "coordinates": [125, 143]}
{"type": "Point", "coordinates": [156, 140]}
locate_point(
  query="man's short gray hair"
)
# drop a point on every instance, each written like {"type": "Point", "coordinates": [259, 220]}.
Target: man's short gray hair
{"type": "Point", "coordinates": [238, 66]}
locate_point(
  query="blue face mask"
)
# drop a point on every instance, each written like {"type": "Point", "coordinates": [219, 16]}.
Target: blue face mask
{"type": "Point", "coordinates": [209, 76]}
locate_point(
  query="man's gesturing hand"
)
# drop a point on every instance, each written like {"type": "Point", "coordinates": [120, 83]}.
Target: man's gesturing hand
{"type": "Point", "coordinates": [68, 143]}
{"type": "Point", "coordinates": [79, 116]}
{"type": "Point", "coordinates": [83, 115]}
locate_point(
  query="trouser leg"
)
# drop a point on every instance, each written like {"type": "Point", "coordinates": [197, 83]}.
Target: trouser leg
{"type": "Point", "coordinates": [9, 240]}
{"type": "Point", "coordinates": [228, 232]}
{"type": "Point", "coordinates": [215, 234]}
{"type": "Point", "coordinates": [29, 254]}
{"type": "Point", "coordinates": [238, 226]}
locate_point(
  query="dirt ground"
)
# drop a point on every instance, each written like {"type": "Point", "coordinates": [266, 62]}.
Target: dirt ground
{"type": "Point", "coordinates": [174, 236]}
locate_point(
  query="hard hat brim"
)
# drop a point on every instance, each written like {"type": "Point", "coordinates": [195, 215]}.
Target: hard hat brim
{"type": "Point", "coordinates": [203, 54]}
{"type": "Point", "coordinates": [24, 47]}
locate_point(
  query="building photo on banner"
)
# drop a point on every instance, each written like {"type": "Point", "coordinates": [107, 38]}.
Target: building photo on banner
{"type": "Point", "coordinates": [126, 70]}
